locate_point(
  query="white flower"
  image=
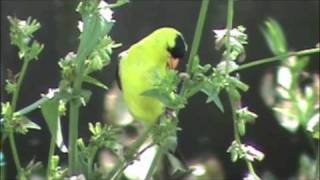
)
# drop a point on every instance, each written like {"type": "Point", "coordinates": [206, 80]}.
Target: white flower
{"type": "Point", "coordinates": [105, 11]}
{"type": "Point", "coordinates": [80, 26]}
{"type": "Point", "coordinates": [284, 77]}
{"type": "Point", "coordinates": [231, 66]}
{"type": "Point", "coordinates": [313, 122]}
{"type": "Point", "coordinates": [250, 177]}
{"type": "Point", "coordinates": [252, 153]}
{"type": "Point", "coordinates": [51, 93]}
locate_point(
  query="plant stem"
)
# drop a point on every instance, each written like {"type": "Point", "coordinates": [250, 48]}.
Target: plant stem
{"type": "Point", "coordinates": [13, 106]}
{"type": "Point", "coordinates": [73, 135]}
{"type": "Point", "coordinates": [196, 41]}
{"type": "Point", "coordinates": [74, 113]}
{"type": "Point", "coordinates": [118, 4]}
{"type": "Point", "coordinates": [17, 91]}
{"type": "Point", "coordinates": [280, 57]}
{"type": "Point", "coordinates": [118, 168]}
{"type": "Point", "coordinates": [229, 28]}
{"type": "Point", "coordinates": [235, 103]}
{"type": "Point", "coordinates": [237, 135]}
{"type": "Point", "coordinates": [51, 153]}
{"type": "Point", "coordinates": [32, 106]}
{"type": "Point", "coordinates": [317, 176]}
{"type": "Point", "coordinates": [154, 164]}
{"type": "Point", "coordinates": [198, 33]}
{"type": "Point", "coordinates": [229, 23]}
{"type": "Point", "coordinates": [14, 152]}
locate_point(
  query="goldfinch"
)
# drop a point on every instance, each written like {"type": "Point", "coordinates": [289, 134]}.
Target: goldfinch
{"type": "Point", "coordinates": [141, 66]}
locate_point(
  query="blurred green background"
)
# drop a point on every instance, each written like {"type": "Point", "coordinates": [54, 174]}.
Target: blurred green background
{"type": "Point", "coordinates": [205, 130]}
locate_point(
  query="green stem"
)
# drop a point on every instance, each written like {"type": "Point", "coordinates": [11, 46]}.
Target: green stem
{"type": "Point", "coordinates": [237, 136]}
{"type": "Point", "coordinates": [14, 152]}
{"type": "Point", "coordinates": [280, 57]}
{"type": "Point", "coordinates": [13, 106]}
{"type": "Point", "coordinates": [229, 28]}
{"type": "Point", "coordinates": [154, 163]}
{"type": "Point", "coordinates": [51, 153]}
{"type": "Point", "coordinates": [234, 103]}
{"type": "Point", "coordinates": [3, 170]}
{"type": "Point", "coordinates": [90, 163]}
{"type": "Point", "coordinates": [229, 23]}
{"type": "Point", "coordinates": [74, 112]}
{"type": "Point", "coordinates": [17, 91]}
{"type": "Point", "coordinates": [73, 135]}
{"type": "Point", "coordinates": [119, 167]}
{"type": "Point", "coordinates": [118, 4]}
{"type": "Point", "coordinates": [196, 41]}
{"type": "Point", "coordinates": [317, 176]}
{"type": "Point", "coordinates": [32, 106]}
{"type": "Point", "coordinates": [198, 33]}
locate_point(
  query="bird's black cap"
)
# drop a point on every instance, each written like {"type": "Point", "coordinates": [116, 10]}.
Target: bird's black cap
{"type": "Point", "coordinates": [179, 50]}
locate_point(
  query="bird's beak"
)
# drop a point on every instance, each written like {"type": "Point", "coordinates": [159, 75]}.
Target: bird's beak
{"type": "Point", "coordinates": [173, 63]}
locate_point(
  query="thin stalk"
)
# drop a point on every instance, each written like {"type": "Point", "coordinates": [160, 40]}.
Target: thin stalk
{"type": "Point", "coordinates": [90, 164]}
{"type": "Point", "coordinates": [229, 28]}
{"type": "Point", "coordinates": [14, 151]}
{"type": "Point", "coordinates": [51, 153]}
{"type": "Point", "coordinates": [196, 40]}
{"type": "Point", "coordinates": [229, 23]}
{"type": "Point", "coordinates": [2, 171]}
{"type": "Point", "coordinates": [32, 106]}
{"type": "Point", "coordinates": [280, 57]}
{"type": "Point", "coordinates": [317, 161]}
{"type": "Point", "coordinates": [118, 4]}
{"type": "Point", "coordinates": [237, 136]}
{"type": "Point", "coordinates": [119, 167]}
{"type": "Point", "coordinates": [13, 106]}
{"type": "Point", "coordinates": [154, 163]}
{"type": "Point", "coordinates": [198, 33]}
{"type": "Point", "coordinates": [234, 104]}
{"type": "Point", "coordinates": [17, 91]}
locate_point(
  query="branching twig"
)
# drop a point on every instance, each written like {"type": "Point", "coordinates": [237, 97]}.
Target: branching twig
{"type": "Point", "coordinates": [280, 57]}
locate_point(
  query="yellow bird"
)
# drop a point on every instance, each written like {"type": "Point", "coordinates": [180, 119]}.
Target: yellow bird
{"type": "Point", "coordinates": [142, 64]}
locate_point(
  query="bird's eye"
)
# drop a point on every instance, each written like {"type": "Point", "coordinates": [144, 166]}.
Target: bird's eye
{"type": "Point", "coordinates": [179, 49]}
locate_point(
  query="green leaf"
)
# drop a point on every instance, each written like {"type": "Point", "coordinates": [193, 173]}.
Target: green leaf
{"type": "Point", "coordinates": [10, 86]}
{"type": "Point", "coordinates": [30, 124]}
{"type": "Point", "coordinates": [161, 96]}
{"type": "Point", "coordinates": [95, 28]}
{"type": "Point", "coordinates": [215, 98]}
{"type": "Point", "coordinates": [95, 82]}
{"type": "Point", "coordinates": [177, 166]}
{"type": "Point", "coordinates": [50, 112]}
{"type": "Point", "coordinates": [213, 95]}
{"type": "Point", "coordinates": [274, 36]}
{"type": "Point", "coordinates": [241, 127]}
{"type": "Point", "coordinates": [85, 96]}
{"type": "Point", "coordinates": [239, 84]}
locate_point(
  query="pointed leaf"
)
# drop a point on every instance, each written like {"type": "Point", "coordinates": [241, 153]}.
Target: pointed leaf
{"type": "Point", "coordinates": [95, 82]}
{"type": "Point", "coordinates": [50, 111]}
{"type": "Point", "coordinates": [177, 166]}
{"type": "Point", "coordinates": [30, 124]}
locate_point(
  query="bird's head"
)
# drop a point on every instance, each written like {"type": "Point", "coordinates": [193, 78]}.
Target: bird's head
{"type": "Point", "coordinates": [174, 43]}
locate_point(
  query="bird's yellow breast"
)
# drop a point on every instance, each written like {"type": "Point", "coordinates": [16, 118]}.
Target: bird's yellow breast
{"type": "Point", "coordinates": [138, 72]}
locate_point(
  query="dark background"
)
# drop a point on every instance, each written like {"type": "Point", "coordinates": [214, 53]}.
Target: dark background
{"type": "Point", "coordinates": [205, 129]}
